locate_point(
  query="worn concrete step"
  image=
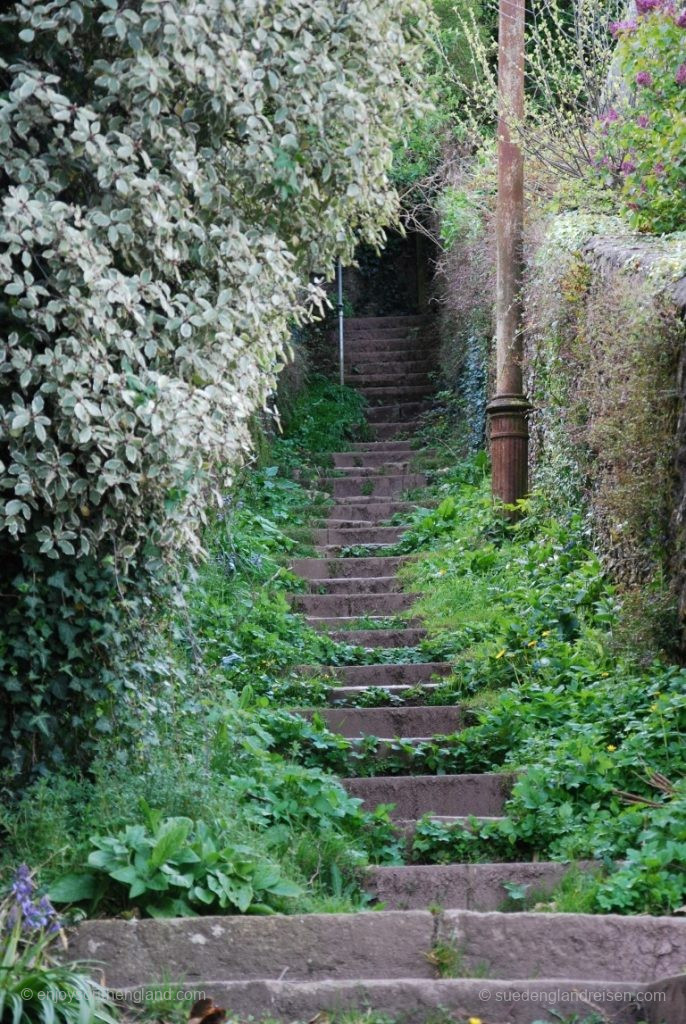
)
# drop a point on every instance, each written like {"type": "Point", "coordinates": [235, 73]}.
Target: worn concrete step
{"type": "Point", "coordinates": [358, 585]}
{"type": "Point", "coordinates": [392, 466]}
{"type": "Point", "coordinates": [362, 676]}
{"type": "Point", "coordinates": [482, 795]}
{"type": "Point", "coordinates": [349, 536]}
{"type": "Point", "coordinates": [383, 446]}
{"type": "Point", "coordinates": [398, 412]}
{"type": "Point", "coordinates": [356, 323]}
{"type": "Point", "coordinates": [464, 886]}
{"type": "Point", "coordinates": [353, 694]}
{"type": "Point", "coordinates": [426, 353]}
{"type": "Point", "coordinates": [379, 458]}
{"type": "Point", "coordinates": [384, 944]}
{"type": "Point", "coordinates": [380, 637]}
{"type": "Point", "coordinates": [370, 363]}
{"type": "Point", "coordinates": [407, 827]}
{"type": "Point", "coordinates": [375, 509]}
{"type": "Point", "coordinates": [393, 428]}
{"type": "Point", "coordinates": [340, 568]}
{"type": "Point", "coordinates": [383, 395]}
{"type": "Point", "coordinates": [591, 946]}
{"type": "Point", "coordinates": [352, 605]}
{"type": "Point", "coordinates": [344, 625]}
{"type": "Point", "coordinates": [390, 722]}
{"type": "Point", "coordinates": [377, 486]}
{"type": "Point", "coordinates": [391, 379]}
{"type": "Point", "coordinates": [337, 550]}
{"type": "Point", "coordinates": [420, 1001]}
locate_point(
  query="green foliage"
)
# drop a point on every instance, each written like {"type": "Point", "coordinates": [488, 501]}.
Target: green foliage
{"type": "Point", "coordinates": [34, 987]}
{"type": "Point", "coordinates": [176, 867]}
{"type": "Point", "coordinates": [419, 147]}
{"type": "Point", "coordinates": [475, 842]}
{"type": "Point", "coordinates": [645, 132]}
{"type": "Point", "coordinates": [160, 234]}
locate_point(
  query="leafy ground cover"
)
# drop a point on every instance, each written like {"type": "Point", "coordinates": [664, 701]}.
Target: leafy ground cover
{"type": "Point", "coordinates": [550, 691]}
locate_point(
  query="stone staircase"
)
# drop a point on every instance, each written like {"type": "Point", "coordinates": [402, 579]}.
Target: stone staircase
{"type": "Point", "coordinates": [442, 943]}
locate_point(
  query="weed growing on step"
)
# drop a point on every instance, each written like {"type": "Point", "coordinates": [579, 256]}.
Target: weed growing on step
{"type": "Point", "coordinates": [448, 959]}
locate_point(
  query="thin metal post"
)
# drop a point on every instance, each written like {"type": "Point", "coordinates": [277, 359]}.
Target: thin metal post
{"type": "Point", "coordinates": [341, 328]}
{"type": "Point", "coordinates": [508, 410]}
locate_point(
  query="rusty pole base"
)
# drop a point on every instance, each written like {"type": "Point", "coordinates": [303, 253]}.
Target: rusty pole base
{"type": "Point", "coordinates": [508, 416]}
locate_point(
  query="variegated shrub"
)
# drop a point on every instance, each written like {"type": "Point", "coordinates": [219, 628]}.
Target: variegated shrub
{"type": "Point", "coordinates": [175, 176]}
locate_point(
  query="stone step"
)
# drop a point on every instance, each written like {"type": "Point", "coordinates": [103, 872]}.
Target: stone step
{"type": "Point", "coordinates": [391, 379]}
{"type": "Point", "coordinates": [352, 694]}
{"type": "Point", "coordinates": [382, 446]}
{"type": "Point", "coordinates": [376, 347]}
{"type": "Point", "coordinates": [351, 605]}
{"type": "Point", "coordinates": [374, 509]}
{"type": "Point", "coordinates": [398, 677]}
{"type": "Point", "coordinates": [397, 412]}
{"type": "Point", "coordinates": [384, 944]}
{"type": "Point", "coordinates": [336, 550]}
{"type": "Point", "coordinates": [367, 362]}
{"type": "Point", "coordinates": [482, 795]}
{"type": "Point", "coordinates": [424, 354]}
{"type": "Point", "coordinates": [350, 536]}
{"type": "Point", "coordinates": [382, 395]}
{"type": "Point", "coordinates": [344, 625]}
{"type": "Point", "coordinates": [391, 466]}
{"type": "Point", "coordinates": [404, 453]}
{"type": "Point", "coordinates": [464, 886]}
{"type": "Point", "coordinates": [407, 827]}
{"type": "Point", "coordinates": [356, 323]}
{"type": "Point", "coordinates": [393, 428]}
{"type": "Point", "coordinates": [420, 1001]}
{"type": "Point", "coordinates": [347, 524]}
{"type": "Point", "coordinates": [390, 722]}
{"type": "Point", "coordinates": [358, 585]}
{"type": "Point", "coordinates": [380, 637]}
{"type": "Point", "coordinates": [378, 486]}
{"type": "Point", "coordinates": [341, 568]}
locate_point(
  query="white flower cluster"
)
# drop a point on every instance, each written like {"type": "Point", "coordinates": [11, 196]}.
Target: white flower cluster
{"type": "Point", "coordinates": [176, 172]}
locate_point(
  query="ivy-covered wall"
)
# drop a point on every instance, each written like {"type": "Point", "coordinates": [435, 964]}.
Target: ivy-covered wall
{"type": "Point", "coordinates": [604, 363]}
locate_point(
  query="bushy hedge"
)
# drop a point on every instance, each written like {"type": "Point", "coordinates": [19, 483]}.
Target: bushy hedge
{"type": "Point", "coordinates": [173, 175]}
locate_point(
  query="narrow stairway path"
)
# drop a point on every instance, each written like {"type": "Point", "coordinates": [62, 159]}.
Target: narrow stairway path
{"type": "Point", "coordinates": [390, 361]}
{"type": "Point", "coordinates": [442, 949]}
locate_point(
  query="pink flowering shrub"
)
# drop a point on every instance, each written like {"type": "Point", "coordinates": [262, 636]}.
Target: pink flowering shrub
{"type": "Point", "coordinates": [644, 147]}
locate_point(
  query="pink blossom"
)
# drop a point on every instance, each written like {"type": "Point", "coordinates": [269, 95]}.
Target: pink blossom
{"type": "Point", "coordinates": [681, 19]}
{"type": "Point", "coordinates": [681, 75]}
{"type": "Point", "coordinates": [643, 121]}
{"type": "Point", "coordinates": [628, 25]}
{"type": "Point", "coordinates": [628, 167]}
{"type": "Point", "coordinates": [646, 6]}
{"type": "Point", "coordinates": [659, 169]}
{"type": "Point", "coordinates": [644, 78]}
{"type": "Point", "coordinates": [611, 116]}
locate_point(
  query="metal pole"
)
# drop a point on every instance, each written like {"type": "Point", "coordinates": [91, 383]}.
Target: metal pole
{"type": "Point", "coordinates": [341, 334]}
{"type": "Point", "coordinates": [508, 410]}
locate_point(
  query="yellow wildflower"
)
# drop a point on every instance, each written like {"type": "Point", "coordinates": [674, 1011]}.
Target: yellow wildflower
{"type": "Point", "coordinates": [500, 654]}
{"type": "Point", "coordinates": [474, 1020]}
{"type": "Point", "coordinates": [653, 707]}
{"type": "Point", "coordinates": [546, 632]}
{"type": "Point", "coordinates": [611, 747]}
{"type": "Point", "coordinates": [532, 644]}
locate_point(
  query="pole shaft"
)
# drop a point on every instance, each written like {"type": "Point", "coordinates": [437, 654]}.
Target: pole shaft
{"type": "Point", "coordinates": [508, 410]}
{"type": "Point", "coordinates": [341, 326]}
